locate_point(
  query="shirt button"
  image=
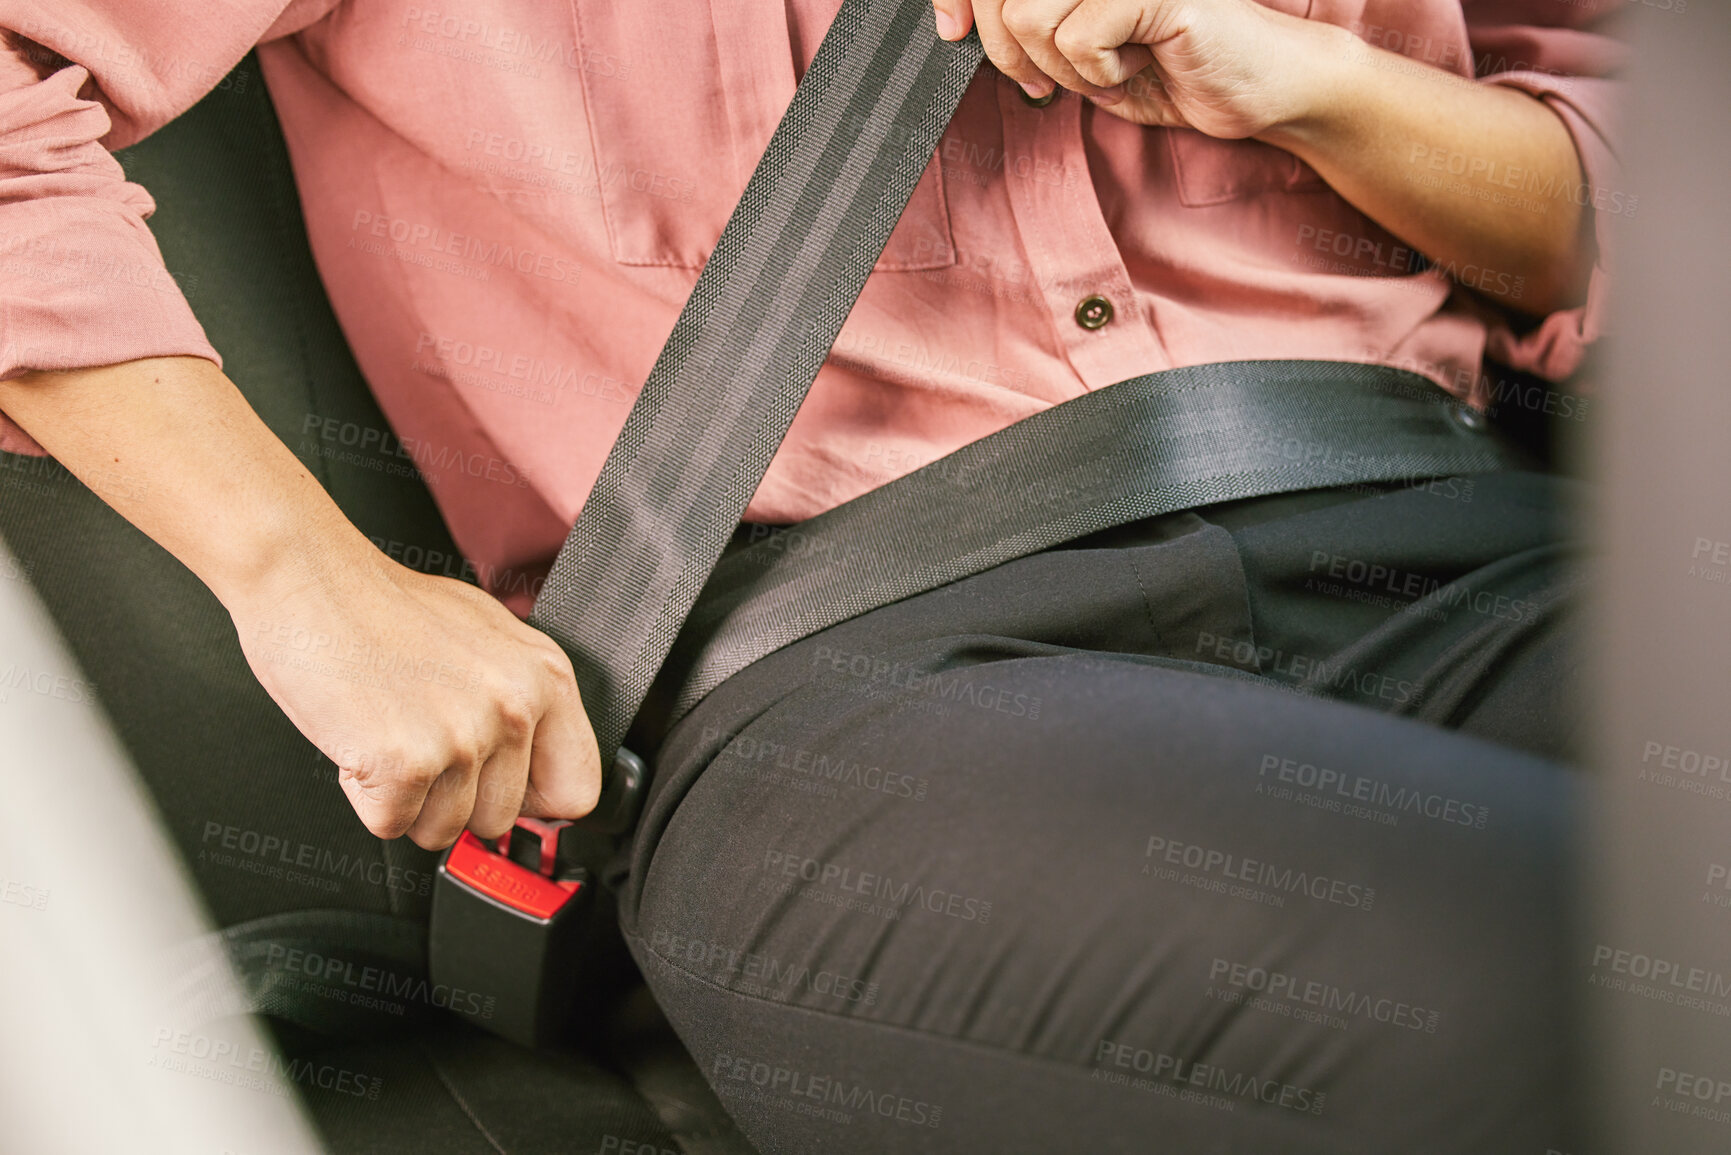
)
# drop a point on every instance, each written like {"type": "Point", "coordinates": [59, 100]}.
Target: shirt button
{"type": "Point", "coordinates": [1038, 101]}
{"type": "Point", "coordinates": [1093, 312]}
{"type": "Point", "coordinates": [1466, 417]}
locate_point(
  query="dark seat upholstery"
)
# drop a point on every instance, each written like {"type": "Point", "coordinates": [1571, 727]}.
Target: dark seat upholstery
{"type": "Point", "coordinates": [216, 753]}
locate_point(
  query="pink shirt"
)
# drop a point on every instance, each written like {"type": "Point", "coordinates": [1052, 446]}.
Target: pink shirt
{"type": "Point", "coordinates": [509, 201]}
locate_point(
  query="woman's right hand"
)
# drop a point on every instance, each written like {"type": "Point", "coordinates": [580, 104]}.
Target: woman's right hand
{"type": "Point", "coordinates": [440, 709]}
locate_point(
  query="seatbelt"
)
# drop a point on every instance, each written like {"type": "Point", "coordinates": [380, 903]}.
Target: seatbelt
{"type": "Point", "coordinates": [758, 325]}
{"type": "Point", "coordinates": [1156, 444]}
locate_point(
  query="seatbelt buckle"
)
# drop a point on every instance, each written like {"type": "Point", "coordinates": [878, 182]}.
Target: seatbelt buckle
{"type": "Point", "coordinates": [508, 928]}
{"type": "Point", "coordinates": [514, 918]}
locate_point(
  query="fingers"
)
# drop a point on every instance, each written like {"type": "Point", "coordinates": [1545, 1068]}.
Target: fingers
{"type": "Point", "coordinates": [449, 803]}
{"type": "Point", "coordinates": [1035, 24]}
{"type": "Point", "coordinates": [1103, 42]}
{"type": "Point", "coordinates": [499, 797]}
{"type": "Point", "coordinates": [432, 793]}
{"type": "Point", "coordinates": [496, 730]}
{"type": "Point", "coordinates": [1088, 46]}
{"type": "Point", "coordinates": [564, 764]}
{"type": "Point", "coordinates": [954, 18]}
{"type": "Point", "coordinates": [386, 790]}
{"type": "Point", "coordinates": [1005, 50]}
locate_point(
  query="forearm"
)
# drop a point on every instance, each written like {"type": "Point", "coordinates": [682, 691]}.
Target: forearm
{"type": "Point", "coordinates": [1433, 158]}
{"type": "Point", "coordinates": [175, 449]}
{"type": "Point", "coordinates": [1369, 121]}
{"type": "Point", "coordinates": [438, 706]}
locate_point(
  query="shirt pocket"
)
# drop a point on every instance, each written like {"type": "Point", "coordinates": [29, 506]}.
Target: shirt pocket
{"type": "Point", "coordinates": [1214, 172]}
{"type": "Point", "coordinates": [678, 121]}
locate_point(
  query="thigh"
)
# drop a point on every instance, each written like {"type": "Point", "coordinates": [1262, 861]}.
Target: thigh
{"type": "Point", "coordinates": [1453, 602]}
{"type": "Point", "coordinates": [1015, 897]}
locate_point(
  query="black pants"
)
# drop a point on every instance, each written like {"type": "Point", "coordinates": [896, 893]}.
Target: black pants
{"type": "Point", "coordinates": [1056, 859]}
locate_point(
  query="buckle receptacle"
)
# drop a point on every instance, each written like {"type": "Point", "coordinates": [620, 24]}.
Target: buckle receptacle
{"type": "Point", "coordinates": [512, 919]}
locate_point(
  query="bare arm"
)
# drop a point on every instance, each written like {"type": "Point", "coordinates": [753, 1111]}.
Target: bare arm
{"type": "Point", "coordinates": [1372, 123]}
{"type": "Point", "coordinates": [1389, 133]}
{"type": "Point", "coordinates": [438, 705]}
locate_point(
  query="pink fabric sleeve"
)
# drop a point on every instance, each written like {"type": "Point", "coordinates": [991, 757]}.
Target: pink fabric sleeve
{"type": "Point", "coordinates": [82, 282]}
{"type": "Point", "coordinates": [1563, 55]}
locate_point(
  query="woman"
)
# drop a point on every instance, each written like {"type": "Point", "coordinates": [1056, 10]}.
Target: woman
{"type": "Point", "coordinates": [508, 204]}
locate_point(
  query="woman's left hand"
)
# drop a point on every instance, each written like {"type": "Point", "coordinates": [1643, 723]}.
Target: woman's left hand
{"type": "Point", "coordinates": [1228, 68]}
{"type": "Point", "coordinates": [1357, 114]}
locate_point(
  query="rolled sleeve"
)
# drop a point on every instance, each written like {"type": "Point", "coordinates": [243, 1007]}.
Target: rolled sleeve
{"type": "Point", "coordinates": [1568, 68]}
{"type": "Point", "coordinates": [82, 282]}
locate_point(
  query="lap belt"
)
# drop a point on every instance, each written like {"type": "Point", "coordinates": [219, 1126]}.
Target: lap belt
{"type": "Point", "coordinates": [510, 919]}
{"type": "Point", "coordinates": [1151, 445]}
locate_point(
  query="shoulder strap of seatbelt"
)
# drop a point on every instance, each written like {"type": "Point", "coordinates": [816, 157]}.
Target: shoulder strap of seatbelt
{"type": "Point", "coordinates": [767, 307]}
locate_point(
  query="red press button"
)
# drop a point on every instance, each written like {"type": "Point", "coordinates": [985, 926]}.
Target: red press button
{"type": "Point", "coordinates": [497, 877]}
